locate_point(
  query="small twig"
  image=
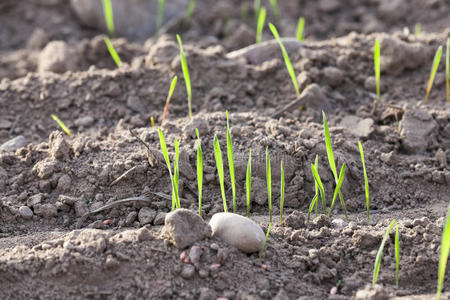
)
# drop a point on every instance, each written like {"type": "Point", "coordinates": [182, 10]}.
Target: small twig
{"type": "Point", "coordinates": [150, 156]}
{"type": "Point", "coordinates": [122, 176]}
{"type": "Point", "coordinates": [289, 106]}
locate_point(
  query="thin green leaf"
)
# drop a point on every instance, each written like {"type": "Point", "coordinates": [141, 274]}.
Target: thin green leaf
{"type": "Point", "coordinates": [338, 187]}
{"type": "Point", "coordinates": [190, 11]}
{"type": "Point", "coordinates": [282, 193]}
{"type": "Point", "coordinates": [269, 183]}
{"type": "Point", "coordinates": [219, 165]}
{"type": "Point", "coordinates": [379, 256]}
{"type": "Point", "coordinates": [300, 28]}
{"type": "Point", "coordinates": [445, 250]}
{"type": "Point", "coordinates": [447, 70]}
{"type": "Point", "coordinates": [261, 253]}
{"type": "Point", "coordinates": [275, 10]}
{"type": "Point", "coordinates": [176, 172]}
{"type": "Point", "coordinates": [312, 204]}
{"type": "Point", "coordinates": [256, 8]}
{"type": "Point", "coordinates": [366, 181]}
{"type": "Point", "coordinates": [160, 16]}
{"type": "Point", "coordinates": [187, 77]}
{"type": "Point", "coordinates": [112, 52]}
{"type": "Point", "coordinates": [169, 96]}
{"type": "Point", "coordinates": [397, 255]}
{"type": "Point", "coordinates": [109, 16]}
{"type": "Point", "coordinates": [417, 29]}
{"type": "Point", "coordinates": [62, 125]}
{"type": "Point", "coordinates": [231, 163]}
{"type": "Point", "coordinates": [162, 142]}
{"type": "Point", "coordinates": [260, 24]}
{"type": "Point", "coordinates": [287, 60]}
{"type": "Point", "coordinates": [248, 180]}
{"type": "Point", "coordinates": [199, 172]}
{"type": "Point", "coordinates": [316, 187]}
{"type": "Point", "coordinates": [321, 189]}
{"type": "Point", "coordinates": [377, 65]}
{"type": "Point", "coordinates": [436, 61]}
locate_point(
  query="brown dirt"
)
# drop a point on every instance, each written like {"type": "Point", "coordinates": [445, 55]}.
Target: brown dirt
{"type": "Point", "coordinates": [60, 178]}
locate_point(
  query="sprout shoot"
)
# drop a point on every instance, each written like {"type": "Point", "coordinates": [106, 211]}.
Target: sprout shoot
{"type": "Point", "coordinates": [152, 121]}
{"type": "Point", "coordinates": [248, 179]}
{"type": "Point", "coordinates": [417, 29]}
{"type": "Point", "coordinates": [366, 181]}
{"type": "Point", "coordinates": [199, 172]}
{"type": "Point", "coordinates": [265, 241]}
{"type": "Point", "coordinates": [379, 256]}
{"type": "Point", "coordinates": [231, 163]}
{"type": "Point", "coordinates": [219, 165]}
{"type": "Point", "coordinates": [269, 183]}
{"type": "Point", "coordinates": [162, 141]}
{"type": "Point", "coordinates": [260, 24]}
{"type": "Point", "coordinates": [436, 61]}
{"type": "Point", "coordinates": [160, 16]}
{"type": "Point", "coordinates": [338, 187]}
{"type": "Point", "coordinates": [169, 96]}
{"type": "Point", "coordinates": [276, 11]}
{"type": "Point", "coordinates": [445, 249]}
{"type": "Point", "coordinates": [109, 16]}
{"type": "Point", "coordinates": [287, 60]}
{"type": "Point", "coordinates": [300, 28]}
{"type": "Point", "coordinates": [62, 125]}
{"type": "Point", "coordinates": [190, 11]}
{"type": "Point", "coordinates": [447, 70]}
{"type": "Point", "coordinates": [320, 185]}
{"type": "Point", "coordinates": [256, 8]}
{"type": "Point", "coordinates": [397, 255]}
{"type": "Point", "coordinates": [282, 193]}
{"type": "Point", "coordinates": [376, 60]}
{"type": "Point", "coordinates": [113, 52]}
{"type": "Point", "coordinates": [187, 77]}
{"type": "Point", "coordinates": [176, 173]}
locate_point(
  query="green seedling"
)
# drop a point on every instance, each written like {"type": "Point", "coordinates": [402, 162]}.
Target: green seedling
{"type": "Point", "coordinates": [162, 141]}
{"type": "Point", "coordinates": [366, 181]}
{"type": "Point", "coordinates": [287, 60]}
{"type": "Point", "coordinates": [320, 185]}
{"type": "Point", "coordinates": [113, 52]}
{"type": "Point", "coordinates": [187, 77]}
{"type": "Point", "coordinates": [282, 193]}
{"type": "Point", "coordinates": [199, 172]}
{"type": "Point", "coordinates": [447, 70]}
{"type": "Point", "coordinates": [152, 121]}
{"type": "Point", "coordinates": [417, 29]}
{"type": "Point", "coordinates": [169, 97]}
{"type": "Point", "coordinates": [231, 163]}
{"type": "Point", "coordinates": [109, 16]}
{"type": "Point", "coordinates": [219, 165]}
{"type": "Point", "coordinates": [160, 16]}
{"type": "Point", "coordinates": [248, 181]}
{"type": "Point", "coordinates": [376, 61]}
{"type": "Point", "coordinates": [261, 253]}
{"type": "Point", "coordinates": [260, 24]}
{"type": "Point", "coordinates": [189, 11]}
{"type": "Point", "coordinates": [397, 255]}
{"type": "Point", "coordinates": [436, 61]}
{"type": "Point", "coordinates": [316, 187]}
{"type": "Point", "coordinates": [244, 12]}
{"type": "Point", "coordinates": [62, 125]}
{"type": "Point", "coordinates": [331, 160]}
{"type": "Point", "coordinates": [338, 187]}
{"type": "Point", "coordinates": [269, 184]}
{"type": "Point", "coordinates": [445, 250]}
{"type": "Point", "coordinates": [300, 28]}
{"type": "Point", "coordinates": [379, 256]}
{"type": "Point", "coordinates": [275, 9]}
{"type": "Point", "coordinates": [256, 8]}
{"type": "Point", "coordinates": [176, 173]}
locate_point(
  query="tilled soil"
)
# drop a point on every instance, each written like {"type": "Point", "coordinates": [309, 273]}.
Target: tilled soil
{"type": "Point", "coordinates": [53, 186]}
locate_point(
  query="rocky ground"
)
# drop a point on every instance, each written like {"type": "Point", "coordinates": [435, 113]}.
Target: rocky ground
{"type": "Point", "coordinates": [65, 234]}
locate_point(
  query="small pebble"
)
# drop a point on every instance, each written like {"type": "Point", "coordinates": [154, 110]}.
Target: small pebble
{"type": "Point", "coordinates": [188, 272]}
{"type": "Point", "coordinates": [194, 255]}
{"type": "Point", "coordinates": [25, 212]}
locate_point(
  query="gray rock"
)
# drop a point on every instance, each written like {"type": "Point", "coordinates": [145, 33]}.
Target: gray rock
{"type": "Point", "coordinates": [84, 121]}
{"type": "Point", "coordinates": [333, 76]}
{"type": "Point", "coordinates": [159, 219]}
{"type": "Point", "coordinates": [371, 292]}
{"type": "Point", "coordinates": [313, 97]}
{"type": "Point", "coordinates": [360, 128]}
{"type": "Point", "coordinates": [14, 144]}
{"type": "Point", "coordinates": [81, 208]}
{"type": "Point", "coordinates": [237, 231]}
{"type": "Point", "coordinates": [45, 168]}
{"type": "Point", "coordinates": [194, 255]}
{"type": "Point", "coordinates": [207, 294]}
{"type": "Point", "coordinates": [35, 200]}
{"type": "Point", "coordinates": [196, 122]}
{"type": "Point", "coordinates": [131, 217]}
{"type": "Point", "coordinates": [46, 210]}
{"type": "Point", "coordinates": [64, 183]}
{"type": "Point", "coordinates": [188, 271]}
{"type": "Point", "coordinates": [418, 130]}
{"type": "Point", "coordinates": [25, 212]}
{"type": "Point", "coordinates": [58, 57]}
{"type": "Point", "coordinates": [5, 124]}
{"type": "Point", "coordinates": [58, 147]}
{"type": "Point", "coordinates": [183, 228]}
{"type": "Point", "coordinates": [146, 215]}
{"type": "Point", "coordinates": [338, 223]}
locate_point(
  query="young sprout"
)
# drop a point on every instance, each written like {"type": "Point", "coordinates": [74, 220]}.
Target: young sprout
{"type": "Point", "coordinates": [109, 16]}
{"type": "Point", "coordinates": [287, 60]}
{"type": "Point", "coordinates": [300, 28]}
{"type": "Point", "coordinates": [231, 163]}
{"type": "Point", "coordinates": [261, 253]}
{"type": "Point", "coordinates": [176, 173]}
{"type": "Point", "coordinates": [338, 187]}
{"type": "Point", "coordinates": [269, 183]}
{"type": "Point", "coordinates": [62, 125]}
{"type": "Point", "coordinates": [331, 160]}
{"type": "Point", "coordinates": [256, 8]}
{"type": "Point", "coordinates": [169, 96]}
{"type": "Point", "coordinates": [152, 121]}
{"type": "Point", "coordinates": [275, 10]}
{"type": "Point", "coordinates": [160, 16]}
{"type": "Point", "coordinates": [320, 185]}
{"type": "Point", "coordinates": [397, 255]}
{"type": "Point", "coordinates": [219, 165]}
{"type": "Point", "coordinates": [379, 256]}
{"type": "Point", "coordinates": [445, 250]}
{"type": "Point", "coordinates": [199, 172]}
{"type": "Point", "coordinates": [417, 29]}
{"type": "Point", "coordinates": [366, 181]}
{"type": "Point", "coordinates": [436, 61]}
{"type": "Point", "coordinates": [113, 52]}
{"type": "Point", "coordinates": [187, 77]}
{"type": "Point", "coordinates": [260, 24]}
{"type": "Point", "coordinates": [282, 193]}
{"type": "Point", "coordinates": [189, 11]}
{"type": "Point", "coordinates": [376, 61]}
{"type": "Point", "coordinates": [316, 187]}
{"type": "Point", "coordinates": [162, 141]}
{"type": "Point", "coordinates": [248, 180]}
{"type": "Point", "coordinates": [447, 70]}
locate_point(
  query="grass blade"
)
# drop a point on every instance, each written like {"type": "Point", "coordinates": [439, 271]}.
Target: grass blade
{"type": "Point", "coordinates": [376, 58]}
{"type": "Point", "coordinates": [160, 16]}
{"type": "Point", "coordinates": [265, 241]}
{"type": "Point", "coordinates": [397, 255]}
{"type": "Point", "coordinates": [113, 52]}
{"type": "Point", "coordinates": [321, 189]}
{"type": "Point", "coordinates": [219, 165]}
{"type": "Point", "coordinates": [176, 172]}
{"type": "Point", "coordinates": [199, 172]}
{"type": "Point", "coordinates": [248, 180]}
{"type": "Point", "coordinates": [312, 204]}
{"type": "Point", "coordinates": [300, 28]}
{"type": "Point", "coordinates": [282, 193]}
{"type": "Point", "coordinates": [316, 187]}
{"type": "Point", "coordinates": [436, 61]}
{"type": "Point", "coordinates": [162, 142]}
{"type": "Point", "coordinates": [376, 268]}
{"type": "Point", "coordinates": [287, 60]}
{"type": "Point", "coordinates": [187, 77]}
{"type": "Point", "coordinates": [231, 163]}
{"type": "Point", "coordinates": [256, 8]}
{"type": "Point", "coordinates": [189, 11]}
{"type": "Point", "coordinates": [445, 249]}
{"type": "Point", "coordinates": [62, 125]}
{"type": "Point", "coordinates": [260, 24]}
{"type": "Point", "coordinates": [269, 183]}
{"type": "Point", "coordinates": [366, 181]}
{"type": "Point", "coordinates": [169, 96]}
{"type": "Point", "coordinates": [109, 16]}
{"type": "Point", "coordinates": [338, 187]}
{"type": "Point", "coordinates": [417, 29]}
{"type": "Point", "coordinates": [447, 70]}
{"type": "Point", "coordinates": [275, 10]}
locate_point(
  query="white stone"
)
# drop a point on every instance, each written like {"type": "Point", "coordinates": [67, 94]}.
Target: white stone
{"type": "Point", "coordinates": [237, 231]}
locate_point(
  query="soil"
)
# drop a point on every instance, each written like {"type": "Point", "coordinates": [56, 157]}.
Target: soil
{"type": "Point", "coordinates": [56, 239]}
